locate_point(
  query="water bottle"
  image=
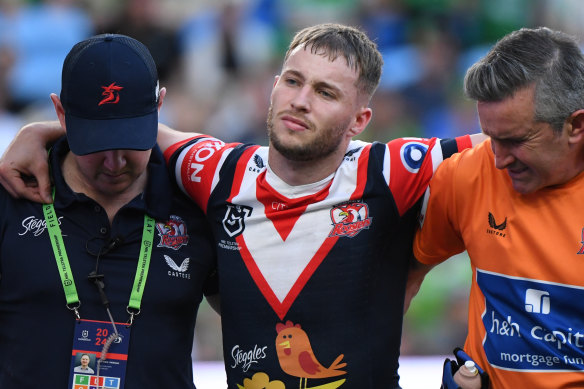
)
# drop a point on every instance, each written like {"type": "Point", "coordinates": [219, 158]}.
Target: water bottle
{"type": "Point", "coordinates": [467, 376]}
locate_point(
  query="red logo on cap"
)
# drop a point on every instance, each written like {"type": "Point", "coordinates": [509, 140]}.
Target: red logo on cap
{"type": "Point", "coordinates": [111, 94]}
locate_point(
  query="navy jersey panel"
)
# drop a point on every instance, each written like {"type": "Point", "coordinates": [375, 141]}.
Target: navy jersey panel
{"type": "Point", "coordinates": [335, 307]}
{"type": "Point", "coordinates": [36, 328]}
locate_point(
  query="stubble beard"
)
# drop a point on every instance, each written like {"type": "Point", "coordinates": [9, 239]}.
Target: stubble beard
{"type": "Point", "coordinates": [325, 144]}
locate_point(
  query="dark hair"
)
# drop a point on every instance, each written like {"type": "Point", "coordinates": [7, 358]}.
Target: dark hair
{"type": "Point", "coordinates": [550, 60]}
{"type": "Point", "coordinates": [334, 40]}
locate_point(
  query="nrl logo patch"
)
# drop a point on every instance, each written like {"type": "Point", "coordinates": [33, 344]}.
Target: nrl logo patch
{"type": "Point", "coordinates": [349, 219]}
{"type": "Point", "coordinates": [173, 233]}
{"type": "Point", "coordinates": [234, 220]}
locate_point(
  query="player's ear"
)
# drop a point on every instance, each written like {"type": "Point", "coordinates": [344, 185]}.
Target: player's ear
{"type": "Point", "coordinates": [575, 127]}
{"type": "Point", "coordinates": [59, 110]}
{"type": "Point", "coordinates": [161, 95]}
{"type": "Point", "coordinates": [362, 119]}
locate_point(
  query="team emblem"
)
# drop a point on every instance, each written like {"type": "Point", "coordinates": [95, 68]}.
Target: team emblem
{"type": "Point", "coordinates": [173, 233]}
{"type": "Point", "coordinates": [349, 219]}
{"type": "Point", "coordinates": [111, 93]}
{"type": "Point", "coordinates": [234, 220]}
{"type": "Point", "coordinates": [412, 155]}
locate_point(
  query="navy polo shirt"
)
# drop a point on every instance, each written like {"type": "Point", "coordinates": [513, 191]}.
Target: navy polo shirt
{"type": "Point", "coordinates": [36, 328]}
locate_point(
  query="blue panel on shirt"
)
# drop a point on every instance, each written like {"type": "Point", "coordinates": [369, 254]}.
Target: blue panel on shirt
{"type": "Point", "coordinates": [532, 325]}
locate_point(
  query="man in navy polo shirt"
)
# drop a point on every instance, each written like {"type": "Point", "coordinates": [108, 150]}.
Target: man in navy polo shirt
{"type": "Point", "coordinates": [116, 267]}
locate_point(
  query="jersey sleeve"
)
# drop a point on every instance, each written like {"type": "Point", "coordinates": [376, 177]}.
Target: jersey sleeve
{"type": "Point", "coordinates": [439, 236]}
{"type": "Point", "coordinates": [411, 163]}
{"type": "Point", "coordinates": [195, 163]}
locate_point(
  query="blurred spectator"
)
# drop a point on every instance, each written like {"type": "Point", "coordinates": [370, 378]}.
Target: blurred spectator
{"type": "Point", "coordinates": [143, 20]}
{"type": "Point", "coordinates": [39, 35]}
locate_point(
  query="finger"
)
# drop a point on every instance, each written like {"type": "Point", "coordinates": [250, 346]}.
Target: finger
{"type": "Point", "coordinates": [11, 191]}
{"type": "Point", "coordinates": [44, 185]}
{"type": "Point", "coordinates": [14, 185]}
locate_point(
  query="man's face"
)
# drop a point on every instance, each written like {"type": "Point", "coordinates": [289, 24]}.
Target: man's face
{"type": "Point", "coordinates": [112, 172]}
{"type": "Point", "coordinates": [534, 156]}
{"type": "Point", "coordinates": [84, 361]}
{"type": "Point", "coordinates": [314, 104]}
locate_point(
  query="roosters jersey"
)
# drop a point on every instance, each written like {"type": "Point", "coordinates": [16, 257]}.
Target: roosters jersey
{"type": "Point", "coordinates": [311, 277]}
{"type": "Point", "coordinates": [526, 317]}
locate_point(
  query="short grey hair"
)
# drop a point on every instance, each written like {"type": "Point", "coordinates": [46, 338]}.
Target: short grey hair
{"type": "Point", "coordinates": [550, 60]}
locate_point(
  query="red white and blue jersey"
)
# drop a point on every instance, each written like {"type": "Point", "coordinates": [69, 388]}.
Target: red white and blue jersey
{"type": "Point", "coordinates": [312, 278]}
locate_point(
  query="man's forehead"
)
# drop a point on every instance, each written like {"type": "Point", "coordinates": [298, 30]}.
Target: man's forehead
{"type": "Point", "coordinates": [304, 58]}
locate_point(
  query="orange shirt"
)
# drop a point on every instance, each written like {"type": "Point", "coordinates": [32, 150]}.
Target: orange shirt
{"type": "Point", "coordinates": [526, 306]}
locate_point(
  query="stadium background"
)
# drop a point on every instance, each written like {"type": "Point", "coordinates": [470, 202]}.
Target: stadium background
{"type": "Point", "coordinates": [218, 58]}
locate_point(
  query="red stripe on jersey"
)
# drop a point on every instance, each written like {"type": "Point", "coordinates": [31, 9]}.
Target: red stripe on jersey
{"type": "Point", "coordinates": [198, 168]}
{"type": "Point", "coordinates": [363, 164]}
{"type": "Point", "coordinates": [463, 142]}
{"type": "Point", "coordinates": [282, 308]}
{"type": "Point", "coordinates": [282, 211]}
{"type": "Point", "coordinates": [406, 182]}
{"type": "Point", "coordinates": [240, 171]}
{"type": "Point", "coordinates": [169, 151]}
{"type": "Point", "coordinates": [308, 271]}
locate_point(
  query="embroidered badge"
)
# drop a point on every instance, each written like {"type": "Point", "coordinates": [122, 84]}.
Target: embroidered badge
{"type": "Point", "coordinates": [173, 233]}
{"type": "Point", "coordinates": [111, 94]}
{"type": "Point", "coordinates": [349, 219]}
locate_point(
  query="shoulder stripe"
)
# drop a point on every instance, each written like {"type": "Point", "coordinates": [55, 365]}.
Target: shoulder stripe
{"type": "Point", "coordinates": [362, 173]}
{"type": "Point", "coordinates": [240, 171]}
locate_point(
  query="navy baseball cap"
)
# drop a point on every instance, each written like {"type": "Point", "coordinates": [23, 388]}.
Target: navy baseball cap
{"type": "Point", "coordinates": [109, 90]}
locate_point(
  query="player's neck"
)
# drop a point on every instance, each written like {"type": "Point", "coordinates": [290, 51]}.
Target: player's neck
{"type": "Point", "coordinates": [303, 172]}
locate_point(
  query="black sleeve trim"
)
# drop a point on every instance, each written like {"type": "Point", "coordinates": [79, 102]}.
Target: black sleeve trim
{"type": "Point", "coordinates": [449, 147]}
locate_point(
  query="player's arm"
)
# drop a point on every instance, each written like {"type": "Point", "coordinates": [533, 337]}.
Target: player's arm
{"type": "Point", "coordinates": [24, 168]}
{"type": "Point", "coordinates": [416, 274]}
{"type": "Point", "coordinates": [168, 137]}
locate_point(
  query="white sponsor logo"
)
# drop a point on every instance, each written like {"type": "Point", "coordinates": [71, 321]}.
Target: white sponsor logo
{"type": "Point", "coordinates": [246, 358]}
{"type": "Point", "coordinates": [537, 301]}
{"type": "Point", "coordinates": [35, 226]}
{"type": "Point", "coordinates": [178, 271]}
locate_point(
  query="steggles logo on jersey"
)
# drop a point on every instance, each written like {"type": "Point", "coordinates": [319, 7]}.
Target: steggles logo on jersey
{"type": "Point", "coordinates": [496, 228]}
{"type": "Point", "coordinates": [234, 220]}
{"type": "Point", "coordinates": [178, 271]}
{"type": "Point", "coordinates": [245, 358]}
{"type": "Point", "coordinates": [35, 226]}
{"type": "Point", "coordinates": [173, 233]}
{"type": "Point", "coordinates": [349, 219]}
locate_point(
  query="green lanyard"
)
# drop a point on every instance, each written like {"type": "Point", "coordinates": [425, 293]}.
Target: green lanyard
{"type": "Point", "coordinates": [71, 296]}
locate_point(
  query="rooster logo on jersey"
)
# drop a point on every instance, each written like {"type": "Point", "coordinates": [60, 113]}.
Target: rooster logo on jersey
{"type": "Point", "coordinates": [173, 233]}
{"type": "Point", "coordinates": [349, 219]}
{"type": "Point", "coordinates": [297, 358]}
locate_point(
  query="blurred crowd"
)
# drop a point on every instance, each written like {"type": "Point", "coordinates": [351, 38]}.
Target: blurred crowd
{"type": "Point", "coordinates": [218, 59]}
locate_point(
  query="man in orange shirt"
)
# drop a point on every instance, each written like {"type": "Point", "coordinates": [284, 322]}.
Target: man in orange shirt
{"type": "Point", "coordinates": [513, 203]}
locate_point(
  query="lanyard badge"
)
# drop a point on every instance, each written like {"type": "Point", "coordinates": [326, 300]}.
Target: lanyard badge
{"type": "Point", "coordinates": [99, 356]}
{"type": "Point", "coordinates": [100, 349]}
